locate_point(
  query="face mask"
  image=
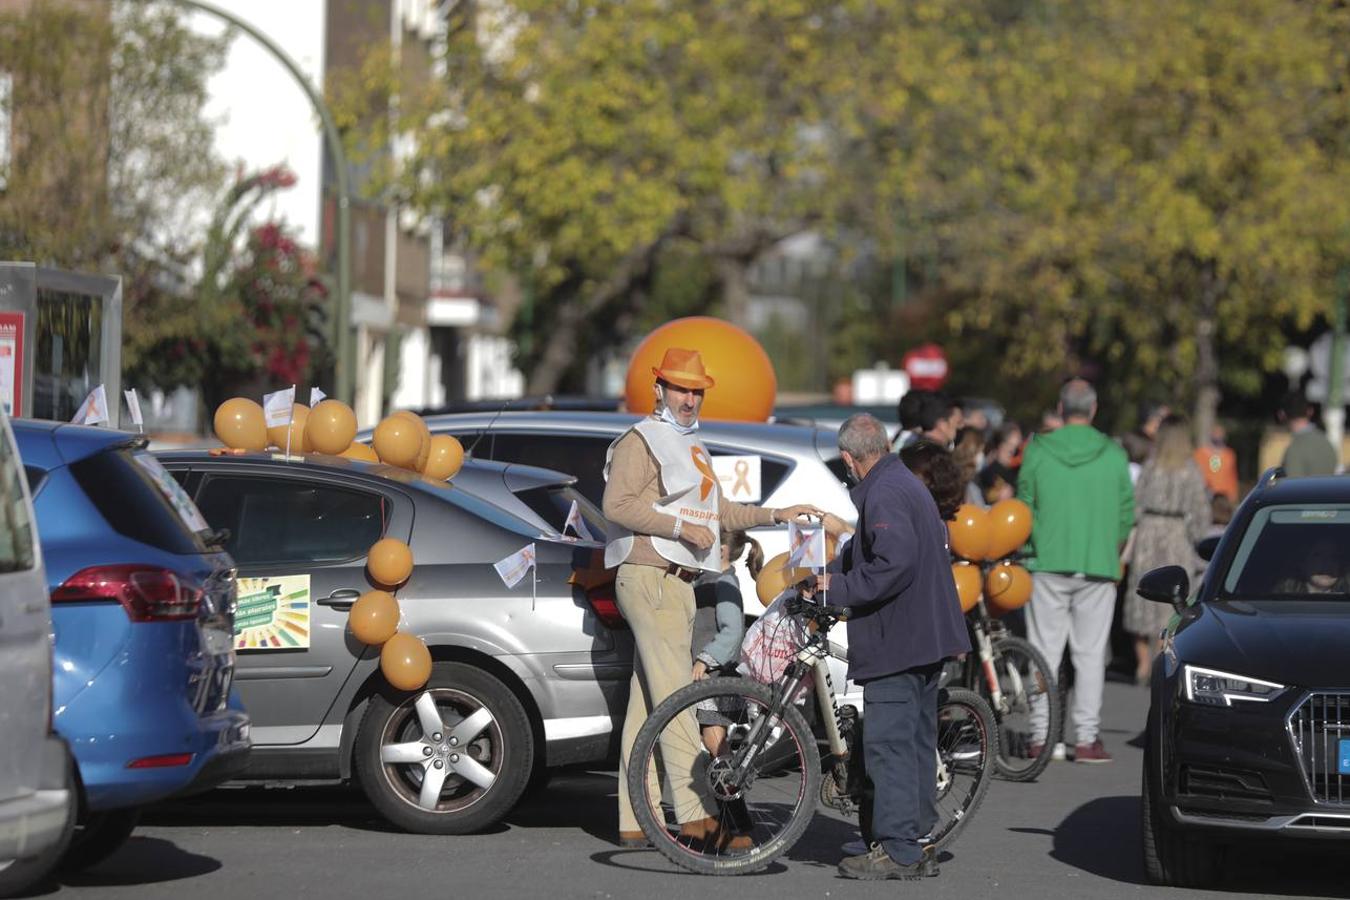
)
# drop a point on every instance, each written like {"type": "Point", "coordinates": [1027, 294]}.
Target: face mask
{"type": "Point", "coordinates": [669, 417]}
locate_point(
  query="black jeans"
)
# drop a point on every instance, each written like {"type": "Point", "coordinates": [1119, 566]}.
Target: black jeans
{"type": "Point", "coordinates": [900, 749]}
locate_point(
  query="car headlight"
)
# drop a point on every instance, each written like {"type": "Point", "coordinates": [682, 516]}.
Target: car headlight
{"type": "Point", "coordinates": [1213, 688]}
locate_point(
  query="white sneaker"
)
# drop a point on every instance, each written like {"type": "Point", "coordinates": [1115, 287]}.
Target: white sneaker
{"type": "Point", "coordinates": [1058, 753]}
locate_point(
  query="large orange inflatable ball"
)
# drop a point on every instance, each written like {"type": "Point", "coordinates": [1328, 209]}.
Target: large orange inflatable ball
{"type": "Point", "coordinates": [363, 452]}
{"type": "Point", "coordinates": [405, 661]}
{"type": "Point", "coordinates": [276, 435]}
{"type": "Point", "coordinates": [968, 584]}
{"type": "Point", "coordinates": [390, 562]}
{"type": "Point", "coordinates": [1009, 528]}
{"type": "Point", "coordinates": [374, 617]}
{"type": "Point", "coordinates": [398, 440]}
{"type": "Point", "coordinates": [444, 459]}
{"type": "Point", "coordinates": [745, 385]}
{"type": "Point", "coordinates": [1007, 587]}
{"type": "Point", "coordinates": [774, 578]}
{"type": "Point", "coordinates": [331, 427]}
{"type": "Point", "coordinates": [968, 533]}
{"type": "Point", "coordinates": [240, 424]}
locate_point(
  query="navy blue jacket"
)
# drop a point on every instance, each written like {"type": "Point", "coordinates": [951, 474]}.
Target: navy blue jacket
{"type": "Point", "coordinates": [895, 576]}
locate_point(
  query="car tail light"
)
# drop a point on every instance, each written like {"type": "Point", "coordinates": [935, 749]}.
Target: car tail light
{"type": "Point", "coordinates": [148, 594]}
{"type": "Point", "coordinates": [605, 606]}
{"type": "Point", "coordinates": [167, 761]}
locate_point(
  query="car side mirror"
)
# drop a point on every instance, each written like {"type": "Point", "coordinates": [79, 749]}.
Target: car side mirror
{"type": "Point", "coordinates": [1206, 546]}
{"type": "Point", "coordinates": [1169, 584]}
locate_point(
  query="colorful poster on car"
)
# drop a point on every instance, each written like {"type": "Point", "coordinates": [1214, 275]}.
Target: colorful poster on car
{"type": "Point", "coordinates": [272, 613]}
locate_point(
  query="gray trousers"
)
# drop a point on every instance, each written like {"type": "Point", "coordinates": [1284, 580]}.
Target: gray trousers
{"type": "Point", "coordinates": [1079, 611]}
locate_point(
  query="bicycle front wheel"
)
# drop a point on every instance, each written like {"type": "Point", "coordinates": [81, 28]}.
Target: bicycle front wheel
{"type": "Point", "coordinates": [967, 745]}
{"type": "Point", "coordinates": [722, 749]}
{"type": "Point", "coordinates": [1028, 688]}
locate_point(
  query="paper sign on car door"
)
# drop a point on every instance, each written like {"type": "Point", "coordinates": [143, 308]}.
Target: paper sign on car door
{"type": "Point", "coordinates": [739, 477]}
{"type": "Point", "coordinates": [273, 613]}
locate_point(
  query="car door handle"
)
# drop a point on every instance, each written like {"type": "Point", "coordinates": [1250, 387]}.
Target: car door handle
{"type": "Point", "coordinates": [342, 598]}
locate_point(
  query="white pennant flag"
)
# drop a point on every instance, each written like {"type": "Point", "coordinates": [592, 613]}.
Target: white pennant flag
{"type": "Point", "coordinates": [277, 407]}
{"type": "Point", "coordinates": [807, 546]}
{"type": "Point", "coordinates": [134, 404]}
{"type": "Point", "coordinates": [94, 409]}
{"type": "Point", "coordinates": [577, 523]}
{"type": "Point", "coordinates": [516, 566]}
{"type": "Point", "coordinates": [316, 397]}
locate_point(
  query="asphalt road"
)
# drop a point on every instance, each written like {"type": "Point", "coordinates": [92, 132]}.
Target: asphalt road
{"type": "Point", "coordinates": [1074, 834]}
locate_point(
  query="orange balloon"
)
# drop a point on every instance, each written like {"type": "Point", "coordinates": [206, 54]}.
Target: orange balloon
{"type": "Point", "coordinates": [745, 386]}
{"type": "Point", "coordinates": [361, 451]}
{"type": "Point", "coordinates": [968, 533]}
{"type": "Point", "coordinates": [398, 441]}
{"type": "Point", "coordinates": [390, 561]}
{"type": "Point", "coordinates": [425, 450]}
{"type": "Point", "coordinates": [374, 617]}
{"type": "Point", "coordinates": [240, 424]}
{"type": "Point", "coordinates": [1009, 528]}
{"type": "Point", "coordinates": [774, 578]}
{"type": "Point", "coordinates": [331, 427]}
{"type": "Point", "coordinates": [968, 580]}
{"type": "Point", "coordinates": [1007, 587]}
{"type": "Point", "coordinates": [276, 435]}
{"type": "Point", "coordinates": [444, 459]}
{"type": "Point", "coordinates": [405, 661]}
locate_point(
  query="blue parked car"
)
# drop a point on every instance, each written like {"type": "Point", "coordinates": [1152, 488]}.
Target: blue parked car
{"type": "Point", "coordinates": [143, 613]}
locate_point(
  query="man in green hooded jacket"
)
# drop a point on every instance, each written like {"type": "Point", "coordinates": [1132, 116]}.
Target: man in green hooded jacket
{"type": "Point", "coordinates": [1077, 482]}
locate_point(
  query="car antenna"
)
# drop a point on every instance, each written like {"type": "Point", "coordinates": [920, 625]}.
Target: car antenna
{"type": "Point", "coordinates": [492, 449]}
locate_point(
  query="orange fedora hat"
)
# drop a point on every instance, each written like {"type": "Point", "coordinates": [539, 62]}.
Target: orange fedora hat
{"type": "Point", "coordinates": [683, 368]}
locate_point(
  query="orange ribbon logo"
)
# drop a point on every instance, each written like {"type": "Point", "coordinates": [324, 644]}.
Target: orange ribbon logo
{"type": "Point", "coordinates": [702, 463]}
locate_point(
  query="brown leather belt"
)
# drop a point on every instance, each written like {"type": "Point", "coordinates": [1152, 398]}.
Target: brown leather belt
{"type": "Point", "coordinates": [686, 575]}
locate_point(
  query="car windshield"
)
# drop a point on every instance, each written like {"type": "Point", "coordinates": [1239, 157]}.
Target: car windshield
{"type": "Point", "coordinates": [1293, 552]}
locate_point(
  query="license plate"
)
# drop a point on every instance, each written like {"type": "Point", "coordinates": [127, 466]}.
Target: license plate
{"type": "Point", "coordinates": [1344, 755]}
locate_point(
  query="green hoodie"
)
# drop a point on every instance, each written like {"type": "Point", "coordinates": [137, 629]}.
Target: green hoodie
{"type": "Point", "coordinates": [1077, 482]}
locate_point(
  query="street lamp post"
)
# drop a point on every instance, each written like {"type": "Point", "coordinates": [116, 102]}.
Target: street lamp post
{"type": "Point", "coordinates": [342, 306]}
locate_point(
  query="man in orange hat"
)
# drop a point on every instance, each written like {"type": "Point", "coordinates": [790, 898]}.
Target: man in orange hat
{"type": "Point", "coordinates": [666, 509]}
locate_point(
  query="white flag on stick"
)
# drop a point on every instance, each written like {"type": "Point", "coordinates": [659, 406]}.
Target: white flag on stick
{"type": "Point", "coordinates": [94, 409]}
{"type": "Point", "coordinates": [277, 407]}
{"type": "Point", "coordinates": [134, 404]}
{"type": "Point", "coordinates": [577, 523]}
{"type": "Point", "coordinates": [806, 544]}
{"type": "Point", "coordinates": [316, 397]}
{"type": "Point", "coordinates": [515, 567]}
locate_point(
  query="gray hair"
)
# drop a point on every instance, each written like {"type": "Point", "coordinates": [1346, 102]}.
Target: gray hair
{"type": "Point", "coordinates": [863, 437]}
{"type": "Point", "coordinates": [1077, 399]}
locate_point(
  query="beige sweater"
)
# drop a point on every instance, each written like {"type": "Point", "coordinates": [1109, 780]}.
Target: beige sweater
{"type": "Point", "coordinates": [635, 484]}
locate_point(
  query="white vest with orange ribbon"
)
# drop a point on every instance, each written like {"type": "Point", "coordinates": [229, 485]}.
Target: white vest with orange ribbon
{"type": "Point", "coordinates": [689, 492]}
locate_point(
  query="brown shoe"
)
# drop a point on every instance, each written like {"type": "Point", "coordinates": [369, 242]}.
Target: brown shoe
{"type": "Point", "coordinates": [708, 834]}
{"type": "Point", "coordinates": [1091, 753]}
{"type": "Point", "coordinates": [634, 840]}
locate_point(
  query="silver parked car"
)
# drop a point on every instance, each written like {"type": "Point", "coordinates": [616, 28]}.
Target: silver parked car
{"type": "Point", "coordinates": [37, 805]}
{"type": "Point", "coordinates": [773, 464]}
{"type": "Point", "coordinates": [523, 679]}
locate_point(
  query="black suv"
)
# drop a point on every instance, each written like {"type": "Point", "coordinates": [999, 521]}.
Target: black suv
{"type": "Point", "coordinates": [1249, 724]}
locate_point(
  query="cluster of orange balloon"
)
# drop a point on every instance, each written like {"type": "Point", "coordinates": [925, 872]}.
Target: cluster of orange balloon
{"type": "Point", "coordinates": [402, 439]}
{"type": "Point", "coordinates": [977, 535]}
{"type": "Point", "coordinates": [776, 576]}
{"type": "Point", "coordinates": [404, 658]}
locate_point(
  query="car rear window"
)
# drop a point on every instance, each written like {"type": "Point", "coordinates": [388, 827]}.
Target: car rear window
{"type": "Point", "coordinates": [1291, 552]}
{"type": "Point", "coordinates": [552, 503]}
{"type": "Point", "coordinates": [134, 502]}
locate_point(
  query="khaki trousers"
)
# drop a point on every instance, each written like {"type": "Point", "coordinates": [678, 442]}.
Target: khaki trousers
{"type": "Point", "coordinates": [660, 610]}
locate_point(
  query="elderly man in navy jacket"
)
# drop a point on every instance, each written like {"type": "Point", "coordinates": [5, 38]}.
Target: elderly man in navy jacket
{"type": "Point", "coordinates": [905, 621]}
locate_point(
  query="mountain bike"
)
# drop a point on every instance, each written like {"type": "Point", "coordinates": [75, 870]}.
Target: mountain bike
{"type": "Point", "coordinates": [1015, 679]}
{"type": "Point", "coordinates": [763, 773]}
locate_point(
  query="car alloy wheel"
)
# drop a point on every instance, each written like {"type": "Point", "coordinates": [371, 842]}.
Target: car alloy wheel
{"type": "Point", "coordinates": [440, 752]}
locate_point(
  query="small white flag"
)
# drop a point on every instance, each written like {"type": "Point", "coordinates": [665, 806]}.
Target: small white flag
{"type": "Point", "coordinates": [134, 404]}
{"type": "Point", "coordinates": [806, 544]}
{"type": "Point", "coordinates": [94, 409]}
{"type": "Point", "coordinates": [515, 567]}
{"type": "Point", "coordinates": [277, 407]}
{"type": "Point", "coordinates": [577, 523]}
{"type": "Point", "coordinates": [316, 397]}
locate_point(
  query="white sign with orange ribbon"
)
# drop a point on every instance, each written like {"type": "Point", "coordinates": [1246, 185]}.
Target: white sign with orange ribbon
{"type": "Point", "coordinates": [739, 477]}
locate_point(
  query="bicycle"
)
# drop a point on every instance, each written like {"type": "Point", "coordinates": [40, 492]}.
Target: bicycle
{"type": "Point", "coordinates": [767, 773]}
{"type": "Point", "coordinates": [1014, 677]}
